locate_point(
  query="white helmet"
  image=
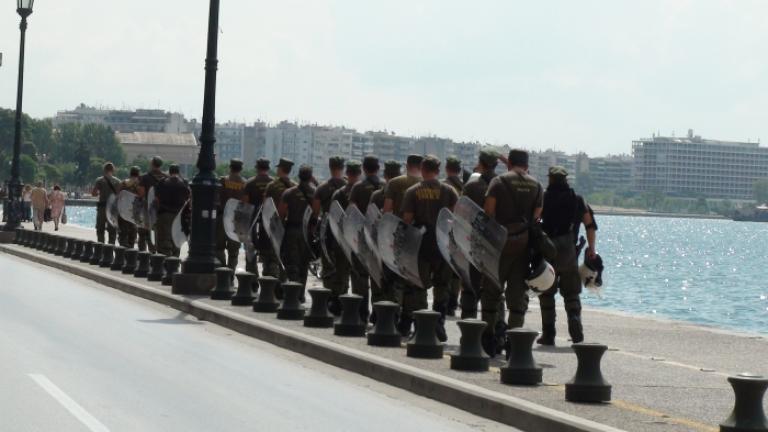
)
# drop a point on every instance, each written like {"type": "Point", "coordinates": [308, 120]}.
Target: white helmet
{"type": "Point", "coordinates": [541, 278]}
{"type": "Point", "coordinates": [588, 277]}
{"type": "Point", "coordinates": [591, 273]}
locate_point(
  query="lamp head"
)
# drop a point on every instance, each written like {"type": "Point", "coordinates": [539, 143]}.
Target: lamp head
{"type": "Point", "coordinates": [24, 7]}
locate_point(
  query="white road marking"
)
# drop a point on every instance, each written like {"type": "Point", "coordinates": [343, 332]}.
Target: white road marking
{"type": "Point", "coordinates": [73, 407]}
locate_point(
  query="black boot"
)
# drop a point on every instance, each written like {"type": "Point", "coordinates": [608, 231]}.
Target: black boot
{"type": "Point", "coordinates": [490, 343]}
{"type": "Point", "coordinates": [547, 335]}
{"type": "Point", "coordinates": [453, 304]}
{"type": "Point", "coordinates": [404, 325]}
{"type": "Point", "coordinates": [442, 336]}
{"type": "Point", "coordinates": [575, 329]}
{"type": "Point", "coordinates": [334, 306]}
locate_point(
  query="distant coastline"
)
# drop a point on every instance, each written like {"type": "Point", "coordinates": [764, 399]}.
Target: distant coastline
{"type": "Point", "coordinates": [618, 211]}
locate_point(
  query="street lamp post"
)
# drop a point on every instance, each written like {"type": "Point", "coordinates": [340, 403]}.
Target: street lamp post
{"type": "Point", "coordinates": [197, 276]}
{"type": "Point", "coordinates": [15, 205]}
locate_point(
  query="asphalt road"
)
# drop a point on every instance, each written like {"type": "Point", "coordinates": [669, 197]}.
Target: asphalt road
{"type": "Point", "coordinates": [75, 356]}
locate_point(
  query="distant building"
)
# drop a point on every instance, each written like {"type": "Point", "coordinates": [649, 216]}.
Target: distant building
{"type": "Point", "coordinates": [172, 147]}
{"type": "Point", "coordinates": [610, 172]}
{"type": "Point", "coordinates": [540, 162]}
{"type": "Point", "coordinates": [141, 120]}
{"type": "Point", "coordinates": [697, 167]}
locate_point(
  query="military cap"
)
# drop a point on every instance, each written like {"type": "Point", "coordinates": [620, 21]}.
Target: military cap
{"type": "Point", "coordinates": [392, 168]}
{"type": "Point", "coordinates": [414, 159]}
{"type": "Point", "coordinates": [262, 164]}
{"type": "Point", "coordinates": [453, 163]}
{"type": "Point", "coordinates": [336, 162]}
{"type": "Point", "coordinates": [157, 161]}
{"type": "Point", "coordinates": [489, 158]}
{"type": "Point", "coordinates": [236, 164]}
{"type": "Point", "coordinates": [135, 171]}
{"type": "Point", "coordinates": [430, 163]}
{"type": "Point", "coordinates": [173, 169]}
{"type": "Point", "coordinates": [353, 167]}
{"type": "Point", "coordinates": [518, 157]}
{"type": "Point", "coordinates": [558, 171]}
{"type": "Point", "coordinates": [285, 164]}
{"type": "Point", "coordinates": [305, 173]}
{"type": "Point", "coordinates": [370, 163]}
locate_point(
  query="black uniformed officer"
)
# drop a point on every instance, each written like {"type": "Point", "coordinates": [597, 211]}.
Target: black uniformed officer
{"type": "Point", "coordinates": [391, 170]}
{"type": "Point", "coordinates": [359, 281]}
{"type": "Point", "coordinates": [296, 254]}
{"type": "Point", "coordinates": [253, 193]}
{"type": "Point", "coordinates": [171, 194]}
{"type": "Point", "coordinates": [335, 275]}
{"type": "Point", "coordinates": [275, 190]}
{"type": "Point", "coordinates": [453, 179]}
{"type": "Point", "coordinates": [148, 181]}
{"type": "Point", "coordinates": [104, 187]}
{"type": "Point", "coordinates": [564, 211]}
{"type": "Point", "coordinates": [515, 201]}
{"type": "Point", "coordinates": [421, 206]}
{"type": "Point", "coordinates": [232, 187]}
{"type": "Point", "coordinates": [127, 231]}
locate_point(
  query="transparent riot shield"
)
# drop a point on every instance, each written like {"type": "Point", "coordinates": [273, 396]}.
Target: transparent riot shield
{"type": "Point", "coordinates": [399, 246]}
{"type": "Point", "coordinates": [354, 234]}
{"type": "Point", "coordinates": [151, 210]}
{"type": "Point", "coordinates": [273, 226]}
{"type": "Point", "coordinates": [336, 217]}
{"type": "Point", "coordinates": [479, 237]}
{"type": "Point", "coordinates": [112, 211]}
{"type": "Point", "coordinates": [450, 251]}
{"type": "Point", "coordinates": [132, 209]}
{"type": "Point", "coordinates": [237, 220]}
{"type": "Point", "coordinates": [180, 226]}
{"type": "Point", "coordinates": [372, 217]}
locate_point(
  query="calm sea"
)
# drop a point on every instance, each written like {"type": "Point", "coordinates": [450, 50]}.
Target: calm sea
{"type": "Point", "coordinates": [703, 271]}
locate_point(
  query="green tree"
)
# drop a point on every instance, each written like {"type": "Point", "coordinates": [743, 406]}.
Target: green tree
{"type": "Point", "coordinates": [761, 191]}
{"type": "Point", "coordinates": [28, 169]}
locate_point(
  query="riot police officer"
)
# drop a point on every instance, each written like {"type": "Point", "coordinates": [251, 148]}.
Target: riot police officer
{"type": "Point", "coordinates": [391, 170]}
{"type": "Point", "coordinates": [360, 196]}
{"type": "Point", "coordinates": [453, 178]}
{"type": "Point", "coordinates": [275, 190]}
{"type": "Point", "coordinates": [172, 193]}
{"type": "Point", "coordinates": [564, 211]}
{"type": "Point", "coordinates": [232, 187]}
{"type": "Point", "coordinates": [253, 193]}
{"type": "Point", "coordinates": [421, 205]}
{"type": "Point", "coordinates": [335, 271]}
{"type": "Point", "coordinates": [295, 251]}
{"type": "Point", "coordinates": [104, 186]}
{"type": "Point", "coordinates": [514, 200]}
{"type": "Point", "coordinates": [149, 180]}
{"type": "Point", "coordinates": [353, 274]}
{"type": "Point", "coordinates": [126, 231]}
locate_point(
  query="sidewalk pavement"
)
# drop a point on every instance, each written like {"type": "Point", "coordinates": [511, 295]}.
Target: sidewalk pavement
{"type": "Point", "coordinates": [666, 375]}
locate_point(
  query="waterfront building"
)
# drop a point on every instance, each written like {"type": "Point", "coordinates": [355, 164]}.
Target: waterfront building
{"type": "Point", "coordinates": [126, 121]}
{"type": "Point", "coordinates": [609, 172]}
{"type": "Point", "coordinates": [180, 148]}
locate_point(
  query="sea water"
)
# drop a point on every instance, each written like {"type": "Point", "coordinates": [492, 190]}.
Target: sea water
{"type": "Point", "coordinates": [703, 271]}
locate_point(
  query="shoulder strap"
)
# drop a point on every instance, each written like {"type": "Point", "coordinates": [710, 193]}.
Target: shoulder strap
{"type": "Point", "coordinates": [111, 186]}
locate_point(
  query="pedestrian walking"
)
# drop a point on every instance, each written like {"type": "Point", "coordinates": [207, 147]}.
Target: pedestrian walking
{"type": "Point", "coordinates": [39, 202]}
{"type": "Point", "coordinates": [57, 203]}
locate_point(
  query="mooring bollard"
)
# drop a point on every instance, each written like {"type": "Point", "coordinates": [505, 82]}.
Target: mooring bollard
{"type": "Point", "coordinates": [350, 323]}
{"type": "Point", "coordinates": [35, 239]}
{"type": "Point", "coordinates": [223, 289]}
{"type": "Point", "coordinates": [266, 301]}
{"type": "Point", "coordinates": [107, 256]}
{"type": "Point", "coordinates": [425, 343]}
{"type": "Point", "coordinates": [50, 243]}
{"type": "Point", "coordinates": [98, 253]}
{"type": "Point", "coordinates": [318, 315]}
{"type": "Point", "coordinates": [45, 238]}
{"type": "Point", "coordinates": [244, 294]}
{"type": "Point", "coordinates": [171, 266]}
{"type": "Point", "coordinates": [471, 356]}
{"type": "Point", "coordinates": [131, 256]}
{"type": "Point", "coordinates": [119, 261]}
{"type": "Point", "coordinates": [87, 252]}
{"type": "Point", "coordinates": [70, 249]}
{"type": "Point", "coordinates": [142, 264]}
{"type": "Point", "coordinates": [290, 307]}
{"type": "Point", "coordinates": [155, 273]}
{"type": "Point", "coordinates": [521, 368]}
{"type": "Point", "coordinates": [19, 238]}
{"type": "Point", "coordinates": [384, 332]}
{"type": "Point", "coordinates": [61, 245]}
{"type": "Point", "coordinates": [748, 413]}
{"type": "Point", "coordinates": [588, 385]}
{"type": "Point", "coordinates": [78, 250]}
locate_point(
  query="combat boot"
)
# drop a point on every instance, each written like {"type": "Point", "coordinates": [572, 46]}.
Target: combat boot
{"type": "Point", "coordinates": [334, 306]}
{"type": "Point", "coordinates": [547, 335]}
{"type": "Point", "coordinates": [575, 329]}
{"type": "Point", "coordinates": [490, 343]}
{"type": "Point", "coordinates": [404, 325]}
{"type": "Point", "coordinates": [442, 336]}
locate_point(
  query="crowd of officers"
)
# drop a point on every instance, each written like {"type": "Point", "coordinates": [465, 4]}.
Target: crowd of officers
{"type": "Point", "coordinates": [514, 199]}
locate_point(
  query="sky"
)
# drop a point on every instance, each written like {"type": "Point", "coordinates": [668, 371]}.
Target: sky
{"type": "Point", "coordinates": [570, 75]}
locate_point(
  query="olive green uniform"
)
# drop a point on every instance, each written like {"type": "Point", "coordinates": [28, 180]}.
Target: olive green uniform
{"type": "Point", "coordinates": [425, 200]}
{"type": "Point", "coordinates": [148, 181]}
{"type": "Point", "coordinates": [360, 196]}
{"type": "Point", "coordinates": [254, 190]}
{"type": "Point", "coordinates": [172, 193]}
{"type": "Point", "coordinates": [106, 186]}
{"type": "Point", "coordinates": [348, 271]}
{"type": "Point", "coordinates": [335, 275]}
{"type": "Point", "coordinates": [275, 190]}
{"type": "Point", "coordinates": [127, 232]}
{"type": "Point", "coordinates": [517, 196]}
{"type": "Point", "coordinates": [232, 187]}
{"type": "Point", "coordinates": [296, 254]}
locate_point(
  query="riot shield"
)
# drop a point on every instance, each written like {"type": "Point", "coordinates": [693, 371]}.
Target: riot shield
{"type": "Point", "coordinates": [112, 212]}
{"type": "Point", "coordinates": [354, 234]}
{"type": "Point", "coordinates": [151, 213]}
{"type": "Point", "coordinates": [180, 226]}
{"type": "Point", "coordinates": [309, 229]}
{"type": "Point", "coordinates": [237, 220]}
{"type": "Point", "coordinates": [399, 246]}
{"type": "Point", "coordinates": [324, 228]}
{"type": "Point", "coordinates": [273, 226]}
{"type": "Point", "coordinates": [372, 217]}
{"type": "Point", "coordinates": [479, 237]}
{"type": "Point", "coordinates": [336, 217]}
{"type": "Point", "coordinates": [450, 251]}
{"type": "Point", "coordinates": [131, 208]}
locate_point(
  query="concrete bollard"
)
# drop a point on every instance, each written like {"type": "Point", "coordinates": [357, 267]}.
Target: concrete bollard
{"type": "Point", "coordinates": [87, 252]}
{"type": "Point", "coordinates": [19, 238]}
{"type": "Point", "coordinates": [521, 368]}
{"type": "Point", "coordinates": [61, 246]}
{"type": "Point", "coordinates": [471, 356]}
{"type": "Point", "coordinates": [70, 249]}
{"type": "Point", "coordinates": [107, 256]}
{"type": "Point", "coordinates": [425, 343]}
{"type": "Point", "coordinates": [171, 266]}
{"type": "Point", "coordinates": [318, 315]}
{"type": "Point", "coordinates": [142, 264]}
{"type": "Point", "coordinates": [78, 251]}
{"type": "Point", "coordinates": [350, 323]}
{"type": "Point", "coordinates": [223, 289]}
{"type": "Point", "coordinates": [244, 294]}
{"type": "Point", "coordinates": [119, 261]}
{"type": "Point", "coordinates": [266, 301]}
{"type": "Point", "coordinates": [50, 243]}
{"type": "Point", "coordinates": [98, 253]}
{"type": "Point", "coordinates": [34, 239]}
{"type": "Point", "coordinates": [131, 255]}
{"type": "Point", "coordinates": [384, 332]}
{"type": "Point", "coordinates": [290, 307]}
{"type": "Point", "coordinates": [44, 239]}
{"type": "Point", "coordinates": [588, 385]}
{"type": "Point", "coordinates": [155, 273]}
{"type": "Point", "coordinates": [748, 413]}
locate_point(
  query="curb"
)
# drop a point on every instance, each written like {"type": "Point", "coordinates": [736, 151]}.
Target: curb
{"type": "Point", "coordinates": [477, 400]}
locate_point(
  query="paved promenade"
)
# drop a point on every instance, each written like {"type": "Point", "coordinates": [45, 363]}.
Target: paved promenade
{"type": "Point", "coordinates": [666, 376]}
